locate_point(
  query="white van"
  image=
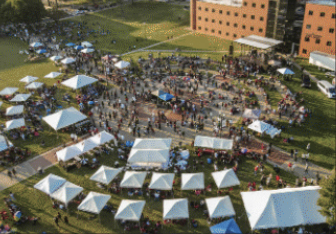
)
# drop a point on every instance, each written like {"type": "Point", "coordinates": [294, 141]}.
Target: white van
{"type": "Point", "coordinates": [327, 88]}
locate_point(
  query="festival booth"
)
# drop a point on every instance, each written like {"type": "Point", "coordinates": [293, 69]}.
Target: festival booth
{"type": "Point", "coordinates": [8, 91]}
{"type": "Point", "coordinates": [226, 227]}
{"type": "Point", "coordinates": [67, 61]}
{"type": "Point", "coordinates": [262, 127]}
{"type": "Point", "coordinates": [14, 110]}
{"type": "Point", "coordinates": [283, 208]}
{"type": "Point", "coordinates": [162, 181]}
{"type": "Point", "coordinates": [28, 79]}
{"type": "Point", "coordinates": [219, 207]}
{"type": "Point", "coordinates": [21, 97]}
{"type": "Point", "coordinates": [79, 81]}
{"type": "Point", "coordinates": [212, 144]}
{"type": "Point", "coordinates": [251, 113]}
{"type": "Point", "coordinates": [103, 137]}
{"type": "Point", "coordinates": [174, 209]}
{"type": "Point", "coordinates": [35, 85]}
{"type": "Point", "coordinates": [86, 44]}
{"type": "Point", "coordinates": [15, 123]}
{"type": "Point", "coordinates": [225, 178]}
{"type": "Point", "coordinates": [122, 65]}
{"type": "Point", "coordinates": [66, 193]}
{"type": "Point", "coordinates": [105, 174]}
{"type": "Point", "coordinates": [50, 184]}
{"type": "Point", "coordinates": [68, 153]}
{"type": "Point", "coordinates": [192, 181]}
{"type": "Point", "coordinates": [4, 144]}
{"type": "Point", "coordinates": [133, 179]}
{"type": "Point", "coordinates": [56, 58]}
{"type": "Point", "coordinates": [130, 210]}
{"type": "Point", "coordinates": [86, 145]}
{"type": "Point", "coordinates": [53, 75]}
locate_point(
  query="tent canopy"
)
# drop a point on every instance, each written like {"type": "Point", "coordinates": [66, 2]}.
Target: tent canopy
{"type": "Point", "coordinates": [87, 50]}
{"type": "Point", "coordinates": [251, 113]}
{"type": "Point", "coordinates": [94, 202]}
{"type": "Point", "coordinates": [148, 156]}
{"type": "Point", "coordinates": [226, 227]}
{"type": "Point", "coordinates": [79, 81]}
{"type": "Point", "coordinates": [50, 184]}
{"type": "Point", "coordinates": [258, 42]}
{"type": "Point", "coordinates": [225, 178]}
{"type": "Point", "coordinates": [66, 192]}
{"type": "Point", "coordinates": [157, 143]}
{"type": "Point", "coordinates": [8, 91]}
{"type": "Point", "coordinates": [175, 209]}
{"type": "Point", "coordinates": [68, 60]}
{"type": "Point", "coordinates": [192, 181]}
{"type": "Point", "coordinates": [21, 97]}
{"type": "Point", "coordinates": [158, 92]}
{"type": "Point", "coordinates": [86, 44]}
{"type": "Point", "coordinates": [323, 60]}
{"type": "Point", "coordinates": [53, 75]}
{"type": "Point", "coordinates": [86, 145]}
{"type": "Point", "coordinates": [4, 144]}
{"type": "Point", "coordinates": [103, 137]}
{"type": "Point", "coordinates": [130, 210]}
{"type": "Point", "coordinates": [133, 179]}
{"type": "Point", "coordinates": [70, 44]}
{"type": "Point", "coordinates": [28, 79]}
{"type": "Point", "coordinates": [220, 207]}
{"type": "Point", "coordinates": [35, 85]}
{"type": "Point", "coordinates": [15, 123]}
{"type": "Point", "coordinates": [259, 126]}
{"type": "Point", "coordinates": [14, 110]}
{"type": "Point", "coordinates": [56, 58]}
{"type": "Point", "coordinates": [166, 96]}
{"type": "Point", "coordinates": [122, 64]}
{"type": "Point", "coordinates": [36, 44]}
{"type": "Point", "coordinates": [213, 143]}
{"type": "Point", "coordinates": [105, 174]}
{"type": "Point", "coordinates": [162, 181]}
{"type": "Point", "coordinates": [283, 207]}
{"type": "Point", "coordinates": [64, 118]}
{"type": "Point", "coordinates": [68, 153]}
{"type": "Point", "coordinates": [285, 71]}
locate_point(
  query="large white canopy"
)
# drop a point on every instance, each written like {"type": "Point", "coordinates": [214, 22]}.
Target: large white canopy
{"type": "Point", "coordinates": [87, 50]}
{"type": "Point", "coordinates": [8, 91]}
{"type": "Point", "coordinates": [4, 145]}
{"type": "Point", "coordinates": [103, 137]}
{"type": "Point", "coordinates": [225, 178]}
{"type": "Point", "coordinates": [94, 202]}
{"type": "Point", "coordinates": [258, 42]}
{"type": "Point", "coordinates": [50, 184]}
{"type": "Point", "coordinates": [53, 75]}
{"type": "Point", "coordinates": [220, 207]}
{"type": "Point", "coordinates": [68, 153]}
{"type": "Point", "coordinates": [133, 179]}
{"type": "Point", "coordinates": [79, 81]}
{"type": "Point", "coordinates": [68, 60]}
{"type": "Point", "coordinates": [56, 58]}
{"type": "Point", "coordinates": [192, 181]}
{"type": "Point", "coordinates": [105, 174]}
{"type": "Point", "coordinates": [213, 143]}
{"type": "Point", "coordinates": [15, 123]}
{"type": "Point", "coordinates": [64, 118]}
{"type": "Point", "coordinates": [148, 156]}
{"type": "Point", "coordinates": [162, 181]}
{"type": "Point", "coordinates": [66, 192]}
{"type": "Point", "coordinates": [35, 85]}
{"type": "Point", "coordinates": [21, 97]}
{"type": "Point", "coordinates": [130, 210]}
{"type": "Point", "coordinates": [324, 60]}
{"type": "Point", "coordinates": [122, 64]}
{"type": "Point", "coordinates": [28, 79]}
{"type": "Point", "coordinates": [283, 207]}
{"type": "Point", "coordinates": [251, 113]}
{"type": "Point", "coordinates": [14, 110]}
{"type": "Point", "coordinates": [86, 44]}
{"type": "Point", "coordinates": [157, 143]}
{"type": "Point", "coordinates": [86, 145]}
{"type": "Point", "coordinates": [175, 209]}
{"type": "Point", "coordinates": [259, 126]}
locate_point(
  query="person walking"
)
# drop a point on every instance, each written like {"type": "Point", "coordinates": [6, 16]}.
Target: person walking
{"type": "Point", "coordinates": [306, 168]}
{"type": "Point", "coordinates": [14, 172]}
{"type": "Point", "coordinates": [308, 147]}
{"type": "Point", "coordinates": [56, 221]}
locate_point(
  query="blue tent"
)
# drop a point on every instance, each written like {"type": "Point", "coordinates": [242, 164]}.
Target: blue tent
{"type": "Point", "coordinates": [42, 51]}
{"type": "Point", "coordinates": [166, 96]}
{"type": "Point", "coordinates": [70, 44]}
{"type": "Point", "coordinates": [226, 227]}
{"type": "Point", "coordinates": [79, 47]}
{"type": "Point", "coordinates": [285, 71]}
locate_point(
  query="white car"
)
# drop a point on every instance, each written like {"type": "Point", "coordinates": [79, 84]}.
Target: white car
{"type": "Point", "coordinates": [327, 88]}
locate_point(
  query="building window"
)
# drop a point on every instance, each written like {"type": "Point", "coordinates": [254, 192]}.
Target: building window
{"type": "Point", "coordinates": [244, 26]}
{"type": "Point", "coordinates": [199, 28]}
{"type": "Point", "coordinates": [206, 9]}
{"type": "Point", "coordinates": [236, 13]}
{"type": "Point", "coordinates": [206, 19]}
{"type": "Point", "coordinates": [319, 28]}
{"type": "Point", "coordinates": [252, 28]}
{"type": "Point", "coordinates": [234, 35]}
{"type": "Point", "coordinates": [199, 17]}
{"type": "Point", "coordinates": [310, 13]}
{"type": "Point", "coordinates": [244, 15]}
{"type": "Point", "coordinates": [307, 39]}
{"type": "Point", "coordinates": [213, 10]}
{"type": "Point", "coordinates": [227, 34]}
{"type": "Point", "coordinates": [235, 25]}
{"type": "Point", "coordinates": [317, 41]}
{"type": "Point", "coordinates": [304, 51]}
{"type": "Point", "coordinates": [220, 12]}
{"type": "Point", "coordinates": [213, 30]}
{"type": "Point", "coordinates": [322, 14]}
{"type": "Point", "coordinates": [219, 32]}
{"type": "Point", "coordinates": [228, 23]}
{"type": "Point", "coordinates": [199, 8]}
{"type": "Point", "coordinates": [262, 6]}
{"type": "Point", "coordinates": [252, 17]}
{"type": "Point", "coordinates": [308, 26]}
{"type": "Point", "coordinates": [331, 30]}
{"type": "Point", "coordinates": [245, 3]}
{"type": "Point", "coordinates": [213, 21]}
{"type": "Point", "coordinates": [220, 22]}
{"type": "Point", "coordinates": [333, 16]}
{"type": "Point", "coordinates": [254, 5]}
{"type": "Point", "coordinates": [206, 29]}
{"type": "Point", "coordinates": [261, 18]}
{"type": "Point", "coordinates": [328, 43]}
{"type": "Point", "coordinates": [228, 13]}
{"type": "Point", "coordinates": [260, 30]}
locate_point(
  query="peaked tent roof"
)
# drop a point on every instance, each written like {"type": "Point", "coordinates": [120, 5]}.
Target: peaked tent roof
{"type": "Point", "coordinates": [285, 71]}
{"type": "Point", "coordinates": [148, 156]}
{"type": "Point", "coordinates": [53, 75]}
{"type": "Point", "coordinates": [94, 202]}
{"type": "Point", "coordinates": [86, 44]}
{"type": "Point", "coordinates": [102, 138]}
{"type": "Point", "coordinates": [220, 207]}
{"type": "Point", "coordinates": [213, 142]}
{"type": "Point", "coordinates": [156, 143]}
{"type": "Point", "coordinates": [283, 207]}
{"type": "Point", "coordinates": [8, 91]}
{"type": "Point", "coordinates": [130, 210]}
{"type": "Point", "coordinates": [68, 60]}
{"type": "Point", "coordinates": [166, 96]}
{"type": "Point", "coordinates": [158, 92]}
{"type": "Point", "coordinates": [259, 126]}
{"type": "Point", "coordinates": [64, 118]}
{"type": "Point", "coordinates": [175, 209]}
{"type": "Point", "coordinates": [66, 192]}
{"type": "Point", "coordinates": [3, 144]}
{"type": "Point", "coordinates": [14, 110]}
{"type": "Point", "coordinates": [15, 123]}
{"type": "Point", "coordinates": [192, 181]}
{"type": "Point", "coordinates": [56, 57]}
{"type": "Point", "coordinates": [50, 184]}
{"type": "Point", "coordinates": [226, 227]}
{"type": "Point", "coordinates": [105, 174]}
{"type": "Point", "coordinates": [86, 145]}
{"type": "Point", "coordinates": [225, 178]}
{"type": "Point", "coordinates": [251, 113]}
{"type": "Point", "coordinates": [34, 85]}
{"type": "Point", "coordinates": [87, 50]}
{"type": "Point", "coordinates": [28, 79]}
{"type": "Point", "coordinates": [79, 81]}
{"type": "Point", "coordinates": [68, 153]}
{"type": "Point", "coordinates": [22, 97]}
{"type": "Point", "coordinates": [162, 181]}
{"type": "Point", "coordinates": [122, 64]}
{"type": "Point", "coordinates": [133, 179]}
{"type": "Point", "coordinates": [36, 44]}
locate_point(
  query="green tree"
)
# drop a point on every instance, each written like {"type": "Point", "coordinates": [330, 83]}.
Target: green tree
{"type": "Point", "coordinates": [26, 11]}
{"type": "Point", "coordinates": [327, 200]}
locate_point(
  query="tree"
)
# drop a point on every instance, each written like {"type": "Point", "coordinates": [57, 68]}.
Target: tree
{"type": "Point", "coordinates": [327, 200]}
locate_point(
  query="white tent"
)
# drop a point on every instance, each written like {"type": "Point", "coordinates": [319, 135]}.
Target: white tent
{"type": "Point", "coordinates": [86, 145]}
{"type": "Point", "coordinates": [148, 156]}
{"type": "Point", "coordinates": [220, 207]}
{"type": "Point", "coordinates": [94, 202]}
{"type": "Point", "coordinates": [213, 143]}
{"type": "Point", "coordinates": [35, 85]}
{"type": "Point", "coordinates": [275, 63]}
{"type": "Point", "coordinates": [285, 71]}
{"type": "Point", "coordinates": [28, 79]}
{"type": "Point", "coordinates": [64, 118]}
{"type": "Point", "coordinates": [79, 81]}
{"type": "Point", "coordinates": [86, 44]}
{"type": "Point", "coordinates": [105, 174]}
{"type": "Point", "coordinates": [162, 181]}
{"type": "Point", "coordinates": [258, 42]}
{"type": "Point", "coordinates": [130, 210]}
{"type": "Point", "coordinates": [323, 60]}
{"type": "Point", "coordinates": [36, 44]}
{"type": "Point", "coordinates": [259, 126]}
{"type": "Point", "coordinates": [68, 153]}
{"type": "Point", "coordinates": [122, 64]}
{"type": "Point", "coordinates": [103, 137]}
{"type": "Point", "coordinates": [66, 192]}
{"type": "Point", "coordinates": [283, 207]}
{"type": "Point", "coordinates": [21, 97]}
{"type": "Point", "coordinates": [4, 144]}
{"type": "Point", "coordinates": [53, 75]}
{"type": "Point", "coordinates": [8, 91]}
{"type": "Point", "coordinates": [50, 184]}
{"type": "Point", "coordinates": [68, 60]}
{"type": "Point", "coordinates": [133, 179]}
{"type": "Point", "coordinates": [157, 143]}
{"type": "Point", "coordinates": [192, 181]}
{"type": "Point", "coordinates": [225, 178]}
{"type": "Point", "coordinates": [15, 123]}
{"type": "Point", "coordinates": [14, 110]}
{"type": "Point", "coordinates": [87, 50]}
{"type": "Point", "coordinates": [175, 209]}
{"type": "Point", "coordinates": [251, 113]}
{"type": "Point", "coordinates": [56, 58]}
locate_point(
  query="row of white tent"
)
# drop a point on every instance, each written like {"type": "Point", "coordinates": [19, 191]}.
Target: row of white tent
{"type": "Point", "coordinates": [262, 127]}
{"type": "Point", "coordinates": [84, 146]}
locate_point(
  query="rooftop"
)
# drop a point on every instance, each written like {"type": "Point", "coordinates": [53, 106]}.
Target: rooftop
{"type": "Point", "coordinates": [323, 2]}
{"type": "Point", "coordinates": [234, 3]}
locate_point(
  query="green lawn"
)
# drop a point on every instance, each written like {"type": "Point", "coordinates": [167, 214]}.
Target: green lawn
{"type": "Point", "coordinates": [312, 69]}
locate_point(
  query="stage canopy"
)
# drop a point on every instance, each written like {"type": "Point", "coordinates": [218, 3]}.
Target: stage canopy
{"type": "Point", "coordinates": [258, 42]}
{"type": "Point", "coordinates": [226, 227]}
{"type": "Point", "coordinates": [21, 97]}
{"type": "Point", "coordinates": [175, 209]}
{"type": "Point", "coordinates": [133, 179]}
{"type": "Point", "coordinates": [79, 81]}
{"type": "Point", "coordinates": [251, 113]}
{"type": "Point", "coordinates": [94, 202]}
{"type": "Point", "coordinates": [130, 210]}
{"type": "Point", "coordinates": [192, 181]}
{"type": "Point", "coordinates": [64, 118]}
{"type": "Point", "coordinates": [219, 207]}
{"type": "Point", "coordinates": [282, 208]}
{"type": "Point", "coordinates": [162, 181]}
{"type": "Point", "coordinates": [15, 123]}
{"type": "Point", "coordinates": [50, 184]}
{"type": "Point", "coordinates": [105, 174]}
{"type": "Point", "coordinates": [14, 110]}
{"type": "Point", "coordinates": [213, 143]}
{"type": "Point", "coordinates": [66, 192]}
{"type": "Point", "coordinates": [225, 178]}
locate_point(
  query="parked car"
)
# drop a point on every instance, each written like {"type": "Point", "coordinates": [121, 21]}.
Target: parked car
{"type": "Point", "coordinates": [327, 88]}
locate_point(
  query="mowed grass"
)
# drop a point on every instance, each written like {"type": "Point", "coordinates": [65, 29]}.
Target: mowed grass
{"type": "Point", "coordinates": [35, 203]}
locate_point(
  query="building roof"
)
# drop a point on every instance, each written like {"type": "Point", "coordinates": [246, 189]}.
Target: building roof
{"type": "Point", "coordinates": [234, 3]}
{"type": "Point", "coordinates": [323, 2]}
{"type": "Point", "coordinates": [258, 42]}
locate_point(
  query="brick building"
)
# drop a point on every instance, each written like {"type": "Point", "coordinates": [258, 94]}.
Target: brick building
{"type": "Point", "coordinates": [318, 31]}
